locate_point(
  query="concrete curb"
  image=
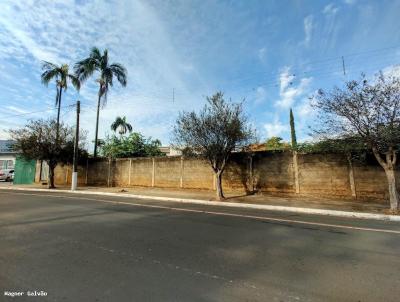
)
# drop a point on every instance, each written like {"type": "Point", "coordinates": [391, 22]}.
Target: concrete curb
{"type": "Point", "coordinates": [228, 204]}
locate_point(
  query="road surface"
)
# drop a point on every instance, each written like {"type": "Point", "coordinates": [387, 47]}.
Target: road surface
{"type": "Point", "coordinates": [70, 247]}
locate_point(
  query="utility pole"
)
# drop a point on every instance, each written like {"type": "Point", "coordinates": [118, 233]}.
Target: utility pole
{"type": "Point", "coordinates": [74, 181]}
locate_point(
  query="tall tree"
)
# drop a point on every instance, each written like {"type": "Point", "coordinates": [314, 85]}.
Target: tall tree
{"type": "Point", "coordinates": [37, 140]}
{"type": "Point", "coordinates": [214, 133]}
{"type": "Point", "coordinates": [370, 110]}
{"type": "Point", "coordinates": [61, 76]}
{"type": "Point", "coordinates": [293, 131]}
{"type": "Point", "coordinates": [121, 125]}
{"type": "Point", "coordinates": [100, 62]}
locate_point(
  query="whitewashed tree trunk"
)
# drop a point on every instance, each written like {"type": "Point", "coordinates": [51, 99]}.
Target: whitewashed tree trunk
{"type": "Point", "coordinates": [390, 168]}
{"type": "Point", "coordinates": [393, 194]}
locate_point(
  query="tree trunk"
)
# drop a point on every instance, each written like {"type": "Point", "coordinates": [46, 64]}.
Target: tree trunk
{"type": "Point", "coordinates": [220, 194]}
{"type": "Point", "coordinates": [51, 176]}
{"type": "Point", "coordinates": [97, 125]}
{"type": "Point", "coordinates": [58, 114]}
{"type": "Point", "coordinates": [393, 194]}
{"type": "Point", "coordinates": [389, 165]}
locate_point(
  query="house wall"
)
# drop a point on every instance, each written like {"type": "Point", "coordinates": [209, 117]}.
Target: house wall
{"type": "Point", "coordinates": [4, 161]}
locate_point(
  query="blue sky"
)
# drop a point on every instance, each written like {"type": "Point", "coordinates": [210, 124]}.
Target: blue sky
{"type": "Point", "coordinates": [273, 54]}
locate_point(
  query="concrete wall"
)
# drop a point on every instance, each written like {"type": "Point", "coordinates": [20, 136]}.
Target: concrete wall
{"type": "Point", "coordinates": [318, 174]}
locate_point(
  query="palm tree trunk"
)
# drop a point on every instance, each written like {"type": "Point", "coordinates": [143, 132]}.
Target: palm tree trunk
{"type": "Point", "coordinates": [97, 124]}
{"type": "Point", "coordinates": [58, 114]}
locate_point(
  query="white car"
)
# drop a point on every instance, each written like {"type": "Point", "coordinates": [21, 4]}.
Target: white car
{"type": "Point", "coordinates": [7, 174]}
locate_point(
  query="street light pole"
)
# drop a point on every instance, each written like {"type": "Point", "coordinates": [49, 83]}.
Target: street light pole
{"type": "Point", "coordinates": [74, 181]}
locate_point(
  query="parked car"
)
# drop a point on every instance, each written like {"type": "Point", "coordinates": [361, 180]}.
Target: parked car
{"type": "Point", "coordinates": [7, 174]}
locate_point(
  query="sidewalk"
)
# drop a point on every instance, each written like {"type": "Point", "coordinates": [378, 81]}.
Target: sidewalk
{"type": "Point", "coordinates": [308, 202]}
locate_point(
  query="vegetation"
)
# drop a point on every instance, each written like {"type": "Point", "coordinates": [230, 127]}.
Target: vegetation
{"type": "Point", "coordinates": [217, 130]}
{"type": "Point", "coordinates": [370, 111]}
{"type": "Point", "coordinates": [62, 76]}
{"type": "Point", "coordinates": [134, 145]}
{"type": "Point", "coordinates": [292, 131]}
{"type": "Point", "coordinates": [276, 143]}
{"type": "Point", "coordinates": [121, 125]}
{"type": "Point", "coordinates": [37, 140]}
{"type": "Point", "coordinates": [100, 63]}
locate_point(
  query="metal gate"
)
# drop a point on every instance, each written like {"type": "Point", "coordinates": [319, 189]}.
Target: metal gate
{"type": "Point", "coordinates": [24, 172]}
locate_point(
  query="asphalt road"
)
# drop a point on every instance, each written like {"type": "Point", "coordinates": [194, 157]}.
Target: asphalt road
{"type": "Point", "coordinates": [89, 248]}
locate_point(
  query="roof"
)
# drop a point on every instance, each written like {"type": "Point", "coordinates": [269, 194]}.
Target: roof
{"type": "Point", "coordinates": [6, 146]}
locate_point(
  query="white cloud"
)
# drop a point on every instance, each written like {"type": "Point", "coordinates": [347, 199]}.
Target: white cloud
{"type": "Point", "coordinates": [261, 95]}
{"type": "Point", "coordinates": [308, 29]}
{"type": "Point", "coordinates": [262, 52]}
{"type": "Point", "coordinates": [136, 36]}
{"type": "Point", "coordinates": [350, 2]}
{"type": "Point", "coordinates": [276, 128]}
{"type": "Point", "coordinates": [289, 90]}
{"type": "Point", "coordinates": [330, 9]}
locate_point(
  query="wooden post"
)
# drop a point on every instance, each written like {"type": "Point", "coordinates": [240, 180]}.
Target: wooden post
{"type": "Point", "coordinates": [296, 172]}
{"type": "Point", "coordinates": [130, 168]}
{"type": "Point", "coordinates": [153, 173]}
{"type": "Point", "coordinates": [109, 172]}
{"type": "Point", "coordinates": [181, 179]}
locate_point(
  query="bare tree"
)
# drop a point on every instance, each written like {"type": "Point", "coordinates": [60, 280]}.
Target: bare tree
{"type": "Point", "coordinates": [370, 110]}
{"type": "Point", "coordinates": [37, 140]}
{"type": "Point", "coordinates": [217, 130]}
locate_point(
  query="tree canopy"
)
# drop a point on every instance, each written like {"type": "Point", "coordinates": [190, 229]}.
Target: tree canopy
{"type": "Point", "coordinates": [121, 125]}
{"type": "Point", "coordinates": [218, 129]}
{"type": "Point", "coordinates": [276, 143]}
{"type": "Point", "coordinates": [37, 140]}
{"type": "Point", "coordinates": [133, 145]}
{"type": "Point", "coordinates": [368, 109]}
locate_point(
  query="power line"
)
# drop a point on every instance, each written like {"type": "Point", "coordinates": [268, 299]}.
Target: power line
{"type": "Point", "coordinates": [33, 112]}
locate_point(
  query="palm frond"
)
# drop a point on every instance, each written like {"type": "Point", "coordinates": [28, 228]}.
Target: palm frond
{"type": "Point", "coordinates": [95, 54]}
{"type": "Point", "coordinates": [85, 68]}
{"type": "Point", "coordinates": [120, 72]}
{"type": "Point", "coordinates": [75, 81]}
{"type": "Point", "coordinates": [49, 75]}
{"type": "Point", "coordinates": [48, 65]}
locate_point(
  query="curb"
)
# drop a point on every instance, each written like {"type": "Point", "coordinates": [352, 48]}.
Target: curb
{"type": "Point", "coordinates": [312, 211]}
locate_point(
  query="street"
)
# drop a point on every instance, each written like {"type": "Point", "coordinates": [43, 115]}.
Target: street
{"type": "Point", "coordinates": [102, 248]}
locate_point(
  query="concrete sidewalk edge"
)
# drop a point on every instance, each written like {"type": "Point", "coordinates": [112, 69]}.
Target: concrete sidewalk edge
{"type": "Point", "coordinates": [227, 204]}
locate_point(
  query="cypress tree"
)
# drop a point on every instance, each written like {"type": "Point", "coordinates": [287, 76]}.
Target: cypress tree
{"type": "Point", "coordinates": [293, 131]}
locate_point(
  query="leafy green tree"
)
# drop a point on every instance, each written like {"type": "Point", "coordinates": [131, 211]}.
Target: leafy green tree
{"type": "Point", "coordinates": [293, 131]}
{"type": "Point", "coordinates": [217, 130]}
{"type": "Point", "coordinates": [134, 145]}
{"type": "Point", "coordinates": [62, 76]}
{"type": "Point", "coordinates": [121, 125]}
{"type": "Point", "coordinates": [276, 143]}
{"type": "Point", "coordinates": [37, 140]}
{"type": "Point", "coordinates": [369, 110]}
{"type": "Point", "coordinates": [100, 63]}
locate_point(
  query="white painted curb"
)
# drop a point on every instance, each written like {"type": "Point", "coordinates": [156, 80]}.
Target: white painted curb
{"type": "Point", "coordinates": [228, 204]}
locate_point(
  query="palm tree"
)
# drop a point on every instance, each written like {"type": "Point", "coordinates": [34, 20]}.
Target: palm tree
{"type": "Point", "coordinates": [61, 75]}
{"type": "Point", "coordinates": [99, 62]}
{"type": "Point", "coordinates": [121, 124]}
